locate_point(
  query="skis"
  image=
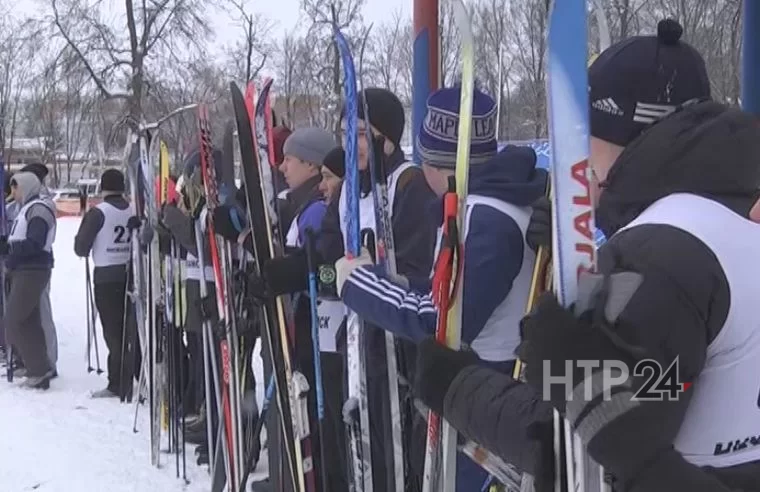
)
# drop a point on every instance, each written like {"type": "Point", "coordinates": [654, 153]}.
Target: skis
{"type": "Point", "coordinates": [573, 221]}
{"type": "Point", "coordinates": [386, 257]}
{"type": "Point", "coordinates": [453, 260]}
{"type": "Point", "coordinates": [356, 409]}
{"type": "Point", "coordinates": [275, 329]}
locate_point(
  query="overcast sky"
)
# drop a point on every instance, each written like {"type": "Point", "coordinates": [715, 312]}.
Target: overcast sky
{"type": "Point", "coordinates": [285, 14]}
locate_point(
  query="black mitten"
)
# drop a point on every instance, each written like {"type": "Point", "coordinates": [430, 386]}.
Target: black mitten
{"type": "Point", "coordinates": [539, 232]}
{"type": "Point", "coordinates": [543, 432]}
{"type": "Point", "coordinates": [287, 274]}
{"type": "Point", "coordinates": [223, 223]}
{"type": "Point", "coordinates": [437, 366]}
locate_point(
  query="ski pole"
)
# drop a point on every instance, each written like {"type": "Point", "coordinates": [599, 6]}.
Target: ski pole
{"type": "Point", "coordinates": [94, 316]}
{"type": "Point", "coordinates": [310, 253]}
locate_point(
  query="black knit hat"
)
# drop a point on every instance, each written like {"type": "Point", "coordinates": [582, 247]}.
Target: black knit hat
{"type": "Point", "coordinates": [643, 79]}
{"type": "Point", "coordinates": [39, 170]}
{"type": "Point", "coordinates": [112, 180]}
{"type": "Point", "coordinates": [335, 161]}
{"type": "Point", "coordinates": [386, 113]}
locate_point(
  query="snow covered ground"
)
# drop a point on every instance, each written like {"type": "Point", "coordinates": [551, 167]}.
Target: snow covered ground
{"type": "Point", "coordinates": [63, 441]}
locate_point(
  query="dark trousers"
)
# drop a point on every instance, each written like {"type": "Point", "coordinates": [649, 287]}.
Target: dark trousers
{"type": "Point", "coordinates": [23, 319]}
{"type": "Point", "coordinates": [118, 321]}
{"type": "Point", "coordinates": [195, 389]}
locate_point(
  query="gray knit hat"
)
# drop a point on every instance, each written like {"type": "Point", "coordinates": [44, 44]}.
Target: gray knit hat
{"type": "Point", "coordinates": [309, 144]}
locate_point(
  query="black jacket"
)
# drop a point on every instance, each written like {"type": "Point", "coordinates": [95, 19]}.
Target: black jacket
{"type": "Point", "coordinates": [678, 310]}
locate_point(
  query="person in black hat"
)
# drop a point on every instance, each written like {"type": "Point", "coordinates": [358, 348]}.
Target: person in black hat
{"type": "Point", "coordinates": [676, 292]}
{"type": "Point", "coordinates": [103, 234]}
{"type": "Point", "coordinates": [333, 169]}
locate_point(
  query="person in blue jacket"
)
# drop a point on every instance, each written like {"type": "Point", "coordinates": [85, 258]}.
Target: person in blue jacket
{"type": "Point", "coordinates": [498, 263]}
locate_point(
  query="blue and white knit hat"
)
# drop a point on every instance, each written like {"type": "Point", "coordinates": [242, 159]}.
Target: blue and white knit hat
{"type": "Point", "coordinates": [437, 139]}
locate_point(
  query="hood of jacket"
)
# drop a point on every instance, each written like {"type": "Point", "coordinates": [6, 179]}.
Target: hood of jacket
{"type": "Point", "coordinates": [706, 149]}
{"type": "Point", "coordinates": [510, 176]}
{"type": "Point", "coordinates": [28, 184]}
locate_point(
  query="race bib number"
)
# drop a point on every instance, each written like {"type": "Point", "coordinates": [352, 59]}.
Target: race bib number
{"type": "Point", "coordinates": [331, 315]}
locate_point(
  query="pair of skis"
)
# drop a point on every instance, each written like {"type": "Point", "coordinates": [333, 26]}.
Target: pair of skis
{"type": "Point", "coordinates": [356, 410]}
{"type": "Point", "coordinates": [440, 457]}
{"type": "Point", "coordinates": [288, 387]}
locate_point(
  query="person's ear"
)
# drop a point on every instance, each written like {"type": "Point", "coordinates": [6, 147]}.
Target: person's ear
{"type": "Point", "coordinates": [754, 212]}
{"type": "Point", "coordinates": [388, 147]}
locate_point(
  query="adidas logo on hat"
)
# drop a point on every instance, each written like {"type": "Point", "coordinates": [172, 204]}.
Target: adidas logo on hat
{"type": "Point", "coordinates": [608, 105]}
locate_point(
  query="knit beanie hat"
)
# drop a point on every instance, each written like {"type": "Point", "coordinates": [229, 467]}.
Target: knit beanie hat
{"type": "Point", "coordinates": [279, 135]}
{"type": "Point", "coordinates": [39, 170]}
{"type": "Point", "coordinates": [437, 139]}
{"type": "Point", "coordinates": [640, 80]}
{"type": "Point", "coordinates": [112, 180]}
{"type": "Point", "coordinates": [335, 161]}
{"type": "Point", "coordinates": [309, 144]}
{"type": "Point", "coordinates": [386, 113]}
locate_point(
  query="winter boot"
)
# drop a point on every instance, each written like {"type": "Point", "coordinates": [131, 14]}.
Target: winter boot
{"type": "Point", "coordinates": [104, 393]}
{"type": "Point", "coordinates": [262, 486]}
{"type": "Point", "coordinates": [202, 459]}
{"type": "Point", "coordinates": [38, 382]}
{"type": "Point", "coordinates": [196, 437]}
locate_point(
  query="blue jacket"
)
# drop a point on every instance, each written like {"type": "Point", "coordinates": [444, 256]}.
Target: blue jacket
{"type": "Point", "coordinates": [493, 257]}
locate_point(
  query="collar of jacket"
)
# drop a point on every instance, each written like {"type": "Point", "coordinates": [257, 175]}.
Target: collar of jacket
{"type": "Point", "coordinates": [306, 193]}
{"type": "Point", "coordinates": [391, 163]}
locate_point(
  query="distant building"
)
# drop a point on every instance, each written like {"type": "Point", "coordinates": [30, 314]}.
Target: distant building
{"type": "Point", "coordinates": [22, 151]}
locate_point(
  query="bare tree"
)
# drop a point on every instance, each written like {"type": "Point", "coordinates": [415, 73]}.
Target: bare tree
{"type": "Point", "coordinates": [324, 14]}
{"type": "Point", "coordinates": [527, 42]}
{"type": "Point", "coordinates": [250, 53]}
{"type": "Point", "coordinates": [287, 75]}
{"type": "Point", "coordinates": [388, 56]}
{"type": "Point", "coordinates": [117, 64]}
{"type": "Point", "coordinates": [19, 46]}
{"type": "Point", "coordinates": [491, 23]}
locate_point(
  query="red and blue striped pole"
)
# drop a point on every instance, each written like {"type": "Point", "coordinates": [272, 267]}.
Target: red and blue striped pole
{"type": "Point", "coordinates": [426, 68]}
{"type": "Point", "coordinates": [751, 57]}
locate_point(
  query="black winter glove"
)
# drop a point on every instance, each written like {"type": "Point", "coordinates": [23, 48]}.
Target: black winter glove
{"type": "Point", "coordinates": [539, 231]}
{"type": "Point", "coordinates": [223, 224]}
{"type": "Point", "coordinates": [4, 246]}
{"type": "Point", "coordinates": [437, 367]}
{"type": "Point", "coordinates": [543, 477]}
{"type": "Point", "coordinates": [257, 289]}
{"type": "Point", "coordinates": [286, 274]}
{"type": "Point", "coordinates": [133, 223]}
{"type": "Point", "coordinates": [553, 333]}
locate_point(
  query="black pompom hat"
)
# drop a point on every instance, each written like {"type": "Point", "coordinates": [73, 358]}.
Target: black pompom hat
{"type": "Point", "coordinates": [640, 80]}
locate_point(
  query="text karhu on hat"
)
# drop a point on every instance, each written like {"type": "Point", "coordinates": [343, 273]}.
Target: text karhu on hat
{"type": "Point", "coordinates": [437, 139]}
{"type": "Point", "coordinates": [640, 80]}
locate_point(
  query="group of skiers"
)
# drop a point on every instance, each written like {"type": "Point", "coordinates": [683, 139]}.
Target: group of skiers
{"type": "Point", "coordinates": [675, 181]}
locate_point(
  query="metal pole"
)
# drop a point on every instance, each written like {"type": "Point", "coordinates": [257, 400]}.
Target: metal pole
{"type": "Point", "coordinates": [750, 92]}
{"type": "Point", "coordinates": [498, 95]}
{"type": "Point", "coordinates": [425, 72]}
